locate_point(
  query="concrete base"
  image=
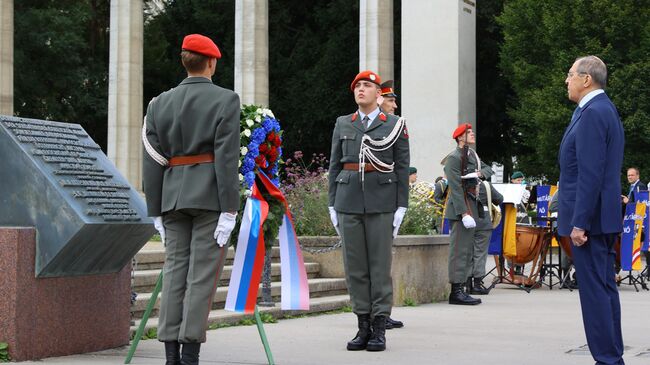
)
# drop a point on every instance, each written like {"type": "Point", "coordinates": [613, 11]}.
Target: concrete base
{"type": "Point", "coordinates": [419, 266]}
{"type": "Point", "coordinates": [57, 316]}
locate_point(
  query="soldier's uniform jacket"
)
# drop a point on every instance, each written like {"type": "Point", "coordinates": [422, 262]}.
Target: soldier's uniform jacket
{"type": "Point", "coordinates": [457, 204]}
{"type": "Point", "coordinates": [382, 192]}
{"type": "Point", "coordinates": [485, 223]}
{"type": "Point", "coordinates": [196, 117]}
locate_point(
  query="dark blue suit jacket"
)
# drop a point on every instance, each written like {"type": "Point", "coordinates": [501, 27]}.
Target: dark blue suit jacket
{"type": "Point", "coordinates": [591, 156]}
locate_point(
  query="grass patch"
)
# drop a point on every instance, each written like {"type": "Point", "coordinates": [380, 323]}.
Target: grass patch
{"type": "Point", "coordinates": [410, 302]}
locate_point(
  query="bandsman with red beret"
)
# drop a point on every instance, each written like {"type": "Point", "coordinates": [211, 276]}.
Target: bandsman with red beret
{"type": "Point", "coordinates": [462, 168]}
{"type": "Point", "coordinates": [368, 197]}
{"type": "Point", "coordinates": [191, 139]}
{"type": "Point", "coordinates": [388, 98]}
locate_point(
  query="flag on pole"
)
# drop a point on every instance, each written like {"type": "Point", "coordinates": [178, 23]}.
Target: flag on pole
{"type": "Point", "coordinates": [631, 237]}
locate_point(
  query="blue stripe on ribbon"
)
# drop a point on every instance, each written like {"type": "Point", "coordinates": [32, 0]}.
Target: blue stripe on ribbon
{"type": "Point", "coordinates": [293, 262]}
{"type": "Point", "coordinates": [249, 261]}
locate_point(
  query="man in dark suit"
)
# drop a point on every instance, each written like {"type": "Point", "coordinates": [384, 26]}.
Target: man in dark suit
{"type": "Point", "coordinates": [367, 202]}
{"type": "Point", "coordinates": [636, 185]}
{"type": "Point", "coordinates": [191, 139]}
{"type": "Point", "coordinates": [590, 158]}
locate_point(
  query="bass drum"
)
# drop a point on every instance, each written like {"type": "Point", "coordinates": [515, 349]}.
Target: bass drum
{"type": "Point", "coordinates": [532, 245]}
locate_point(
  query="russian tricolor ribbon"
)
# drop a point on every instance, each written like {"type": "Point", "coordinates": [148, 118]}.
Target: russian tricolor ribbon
{"type": "Point", "coordinates": [249, 255]}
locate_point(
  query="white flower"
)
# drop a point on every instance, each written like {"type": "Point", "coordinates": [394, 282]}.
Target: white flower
{"type": "Point", "coordinates": [239, 163]}
{"type": "Point", "coordinates": [241, 177]}
{"type": "Point", "coordinates": [249, 122]}
{"type": "Point", "coordinates": [268, 113]}
{"type": "Point", "coordinates": [258, 119]}
{"type": "Point", "coordinates": [258, 111]}
{"type": "Point", "coordinates": [247, 132]}
{"type": "Point", "coordinates": [244, 150]}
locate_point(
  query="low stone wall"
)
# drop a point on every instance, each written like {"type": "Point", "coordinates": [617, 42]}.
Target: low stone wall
{"type": "Point", "coordinates": [419, 266]}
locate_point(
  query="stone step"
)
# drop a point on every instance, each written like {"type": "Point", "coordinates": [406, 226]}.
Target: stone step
{"type": "Point", "coordinates": [145, 280]}
{"type": "Point", "coordinates": [318, 287]}
{"type": "Point", "coordinates": [152, 256]}
{"type": "Point", "coordinates": [221, 316]}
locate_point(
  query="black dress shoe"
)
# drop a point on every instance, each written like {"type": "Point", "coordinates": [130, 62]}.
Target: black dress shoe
{"type": "Point", "coordinates": [458, 296]}
{"type": "Point", "coordinates": [391, 323]}
{"type": "Point", "coordinates": [569, 284]}
{"type": "Point", "coordinates": [377, 341]}
{"type": "Point", "coordinates": [360, 341]}
{"type": "Point", "coordinates": [477, 287]}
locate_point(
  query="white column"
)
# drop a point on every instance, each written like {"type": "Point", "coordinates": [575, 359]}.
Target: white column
{"type": "Point", "coordinates": [7, 57]}
{"type": "Point", "coordinates": [252, 51]}
{"type": "Point", "coordinates": [376, 45]}
{"type": "Point", "coordinates": [125, 89]}
{"type": "Point", "coordinates": [438, 77]}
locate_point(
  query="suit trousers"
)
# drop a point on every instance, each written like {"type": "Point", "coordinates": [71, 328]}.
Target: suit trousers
{"type": "Point", "coordinates": [193, 266]}
{"type": "Point", "coordinates": [601, 307]}
{"type": "Point", "coordinates": [461, 246]}
{"type": "Point", "coordinates": [367, 257]}
{"type": "Point", "coordinates": [479, 256]}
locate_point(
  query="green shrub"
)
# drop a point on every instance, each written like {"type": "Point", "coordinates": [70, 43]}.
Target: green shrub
{"type": "Point", "coordinates": [4, 352]}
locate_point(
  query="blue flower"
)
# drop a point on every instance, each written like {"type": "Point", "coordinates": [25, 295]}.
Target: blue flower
{"type": "Point", "coordinates": [249, 178]}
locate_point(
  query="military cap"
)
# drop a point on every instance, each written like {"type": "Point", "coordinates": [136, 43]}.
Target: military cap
{"type": "Point", "coordinates": [517, 175]}
{"type": "Point", "coordinates": [368, 76]}
{"type": "Point", "coordinates": [387, 89]}
{"type": "Point", "coordinates": [412, 170]}
{"type": "Point", "coordinates": [201, 44]}
{"type": "Point", "coordinates": [461, 130]}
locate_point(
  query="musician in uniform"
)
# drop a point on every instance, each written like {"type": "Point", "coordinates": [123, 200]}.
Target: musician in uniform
{"type": "Point", "coordinates": [462, 168]}
{"type": "Point", "coordinates": [388, 99]}
{"type": "Point", "coordinates": [191, 138]}
{"type": "Point", "coordinates": [368, 198]}
{"type": "Point", "coordinates": [483, 233]}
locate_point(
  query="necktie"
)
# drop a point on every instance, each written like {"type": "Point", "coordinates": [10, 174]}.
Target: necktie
{"type": "Point", "coordinates": [365, 122]}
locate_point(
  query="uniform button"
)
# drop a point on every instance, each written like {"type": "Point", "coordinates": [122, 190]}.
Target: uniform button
{"type": "Point", "coordinates": [389, 180]}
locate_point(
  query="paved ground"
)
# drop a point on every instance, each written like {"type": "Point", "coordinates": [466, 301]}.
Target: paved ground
{"type": "Point", "coordinates": [510, 327]}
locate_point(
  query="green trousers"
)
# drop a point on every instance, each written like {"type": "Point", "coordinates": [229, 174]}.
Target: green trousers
{"type": "Point", "coordinates": [367, 257]}
{"type": "Point", "coordinates": [479, 256]}
{"type": "Point", "coordinates": [193, 266]}
{"type": "Point", "coordinates": [461, 247]}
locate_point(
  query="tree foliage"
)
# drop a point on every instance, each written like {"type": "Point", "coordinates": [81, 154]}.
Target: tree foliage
{"type": "Point", "coordinates": [61, 62]}
{"type": "Point", "coordinates": [542, 39]}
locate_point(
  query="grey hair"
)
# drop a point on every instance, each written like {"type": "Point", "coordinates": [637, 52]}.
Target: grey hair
{"type": "Point", "coordinates": [595, 67]}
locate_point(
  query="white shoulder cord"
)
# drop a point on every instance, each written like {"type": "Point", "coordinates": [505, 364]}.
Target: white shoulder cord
{"type": "Point", "coordinates": [369, 146]}
{"type": "Point", "coordinates": [160, 159]}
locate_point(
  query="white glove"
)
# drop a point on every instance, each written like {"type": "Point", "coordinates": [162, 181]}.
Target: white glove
{"type": "Point", "coordinates": [397, 219]}
{"type": "Point", "coordinates": [525, 196]}
{"type": "Point", "coordinates": [334, 219]}
{"type": "Point", "coordinates": [158, 224]}
{"type": "Point", "coordinates": [224, 227]}
{"type": "Point", "coordinates": [471, 175]}
{"type": "Point", "coordinates": [469, 222]}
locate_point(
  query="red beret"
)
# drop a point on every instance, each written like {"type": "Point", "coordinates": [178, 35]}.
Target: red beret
{"type": "Point", "coordinates": [461, 129]}
{"type": "Point", "coordinates": [366, 75]}
{"type": "Point", "coordinates": [201, 44]}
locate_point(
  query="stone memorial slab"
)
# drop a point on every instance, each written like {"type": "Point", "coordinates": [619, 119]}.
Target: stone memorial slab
{"type": "Point", "coordinates": [55, 178]}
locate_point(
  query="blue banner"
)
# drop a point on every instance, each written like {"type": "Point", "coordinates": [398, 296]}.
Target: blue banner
{"type": "Point", "coordinates": [543, 202]}
{"type": "Point", "coordinates": [496, 241]}
{"type": "Point", "coordinates": [642, 197]}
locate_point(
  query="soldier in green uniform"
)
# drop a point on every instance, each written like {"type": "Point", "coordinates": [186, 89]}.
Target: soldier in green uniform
{"type": "Point", "coordinates": [368, 197]}
{"type": "Point", "coordinates": [191, 138]}
{"type": "Point", "coordinates": [463, 173]}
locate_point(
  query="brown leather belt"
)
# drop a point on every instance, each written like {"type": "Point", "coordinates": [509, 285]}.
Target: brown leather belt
{"type": "Point", "coordinates": [191, 160]}
{"type": "Point", "coordinates": [355, 167]}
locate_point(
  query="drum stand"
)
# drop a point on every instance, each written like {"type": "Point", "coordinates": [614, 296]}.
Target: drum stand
{"type": "Point", "coordinates": [634, 280]}
{"type": "Point", "coordinates": [502, 277]}
{"type": "Point", "coordinates": [555, 270]}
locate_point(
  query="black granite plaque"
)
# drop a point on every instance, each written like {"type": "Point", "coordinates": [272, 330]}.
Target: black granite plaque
{"type": "Point", "coordinates": [54, 177]}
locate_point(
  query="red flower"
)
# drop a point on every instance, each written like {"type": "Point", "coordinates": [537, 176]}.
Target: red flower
{"type": "Point", "coordinates": [270, 137]}
{"type": "Point", "coordinates": [261, 161]}
{"type": "Point", "coordinates": [277, 141]}
{"type": "Point", "coordinates": [264, 147]}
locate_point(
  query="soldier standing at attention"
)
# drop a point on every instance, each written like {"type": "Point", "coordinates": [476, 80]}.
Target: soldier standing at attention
{"type": "Point", "coordinates": [462, 168]}
{"type": "Point", "coordinates": [191, 138]}
{"type": "Point", "coordinates": [368, 197]}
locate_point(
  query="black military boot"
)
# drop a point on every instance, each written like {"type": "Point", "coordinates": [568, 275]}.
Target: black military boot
{"type": "Point", "coordinates": [377, 341]}
{"type": "Point", "coordinates": [392, 323]}
{"type": "Point", "coordinates": [190, 354]}
{"type": "Point", "coordinates": [458, 296]}
{"type": "Point", "coordinates": [477, 287]}
{"type": "Point", "coordinates": [360, 341]}
{"type": "Point", "coordinates": [172, 353]}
